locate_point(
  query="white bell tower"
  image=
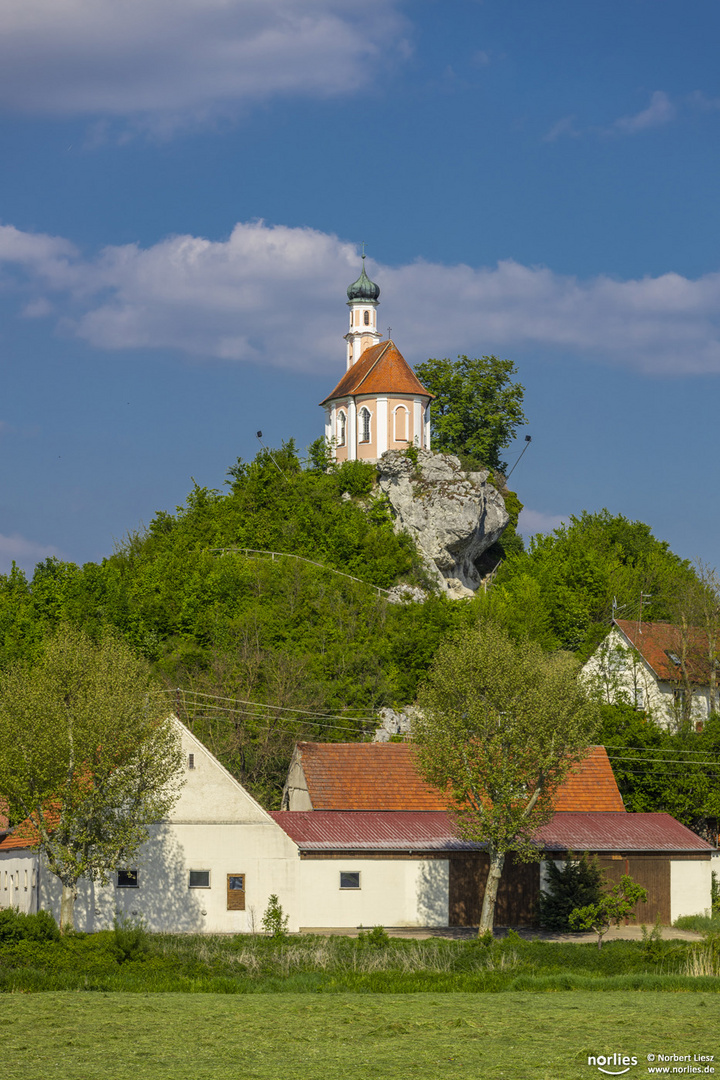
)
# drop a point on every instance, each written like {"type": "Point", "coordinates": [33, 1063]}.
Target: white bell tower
{"type": "Point", "coordinates": [363, 301]}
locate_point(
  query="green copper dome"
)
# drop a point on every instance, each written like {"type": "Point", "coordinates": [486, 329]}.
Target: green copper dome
{"type": "Point", "coordinates": [363, 288]}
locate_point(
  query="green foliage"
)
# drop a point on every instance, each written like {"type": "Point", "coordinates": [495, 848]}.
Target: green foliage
{"type": "Point", "coordinates": [274, 920]}
{"type": "Point", "coordinates": [477, 408]}
{"type": "Point", "coordinates": [17, 926]}
{"type": "Point", "coordinates": [130, 939]}
{"type": "Point", "coordinates": [377, 938]}
{"type": "Point", "coordinates": [561, 590]}
{"type": "Point", "coordinates": [645, 757]}
{"type": "Point", "coordinates": [574, 884]}
{"type": "Point", "coordinates": [715, 893]}
{"type": "Point", "coordinates": [611, 909]}
{"type": "Point", "coordinates": [356, 477]}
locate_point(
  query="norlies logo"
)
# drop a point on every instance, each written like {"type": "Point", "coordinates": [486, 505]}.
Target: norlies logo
{"type": "Point", "coordinates": [612, 1064]}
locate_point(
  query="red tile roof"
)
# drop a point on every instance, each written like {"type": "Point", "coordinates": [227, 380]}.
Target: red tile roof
{"type": "Point", "coordinates": [382, 369]}
{"type": "Point", "coordinates": [428, 831]}
{"type": "Point", "coordinates": [654, 640]}
{"type": "Point", "coordinates": [384, 776]}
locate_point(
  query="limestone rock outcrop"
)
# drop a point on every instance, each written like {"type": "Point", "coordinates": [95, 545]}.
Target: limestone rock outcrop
{"type": "Point", "coordinates": [453, 516]}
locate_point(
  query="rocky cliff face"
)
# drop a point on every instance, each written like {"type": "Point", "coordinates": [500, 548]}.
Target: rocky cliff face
{"type": "Point", "coordinates": [453, 516]}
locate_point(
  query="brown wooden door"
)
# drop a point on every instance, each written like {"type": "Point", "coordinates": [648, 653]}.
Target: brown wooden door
{"type": "Point", "coordinates": [650, 871]}
{"type": "Point", "coordinates": [236, 892]}
{"type": "Point", "coordinates": [517, 893]}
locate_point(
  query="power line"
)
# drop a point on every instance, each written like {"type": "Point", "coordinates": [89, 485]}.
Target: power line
{"type": "Point", "coordinates": [264, 705]}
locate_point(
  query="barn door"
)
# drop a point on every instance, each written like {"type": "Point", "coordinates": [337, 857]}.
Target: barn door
{"type": "Point", "coordinates": [236, 892]}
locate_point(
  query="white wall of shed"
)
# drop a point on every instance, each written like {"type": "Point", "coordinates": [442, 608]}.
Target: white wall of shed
{"type": "Point", "coordinates": [393, 892]}
{"type": "Point", "coordinates": [689, 887]}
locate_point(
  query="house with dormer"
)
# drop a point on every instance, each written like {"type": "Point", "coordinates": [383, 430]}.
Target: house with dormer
{"type": "Point", "coordinates": [666, 671]}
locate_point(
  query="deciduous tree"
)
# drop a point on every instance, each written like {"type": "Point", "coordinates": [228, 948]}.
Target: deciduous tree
{"type": "Point", "coordinates": [88, 756]}
{"type": "Point", "coordinates": [502, 725]}
{"type": "Point", "coordinates": [477, 407]}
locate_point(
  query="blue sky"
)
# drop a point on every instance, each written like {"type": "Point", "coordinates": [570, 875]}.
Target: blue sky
{"type": "Point", "coordinates": [186, 185]}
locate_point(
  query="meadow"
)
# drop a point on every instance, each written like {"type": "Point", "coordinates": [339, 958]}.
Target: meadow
{"type": "Point", "coordinates": [328, 1037]}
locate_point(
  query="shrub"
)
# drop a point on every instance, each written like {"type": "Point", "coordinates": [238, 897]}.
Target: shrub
{"type": "Point", "coordinates": [131, 940]}
{"type": "Point", "coordinates": [357, 477]}
{"type": "Point", "coordinates": [17, 926]}
{"type": "Point", "coordinates": [274, 920]}
{"type": "Point", "coordinates": [575, 884]}
{"type": "Point", "coordinates": [378, 937]}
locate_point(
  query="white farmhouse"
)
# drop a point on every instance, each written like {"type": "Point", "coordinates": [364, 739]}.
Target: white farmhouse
{"type": "Point", "coordinates": [659, 668]}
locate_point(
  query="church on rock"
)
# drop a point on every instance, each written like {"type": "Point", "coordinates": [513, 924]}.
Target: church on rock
{"type": "Point", "coordinates": [379, 404]}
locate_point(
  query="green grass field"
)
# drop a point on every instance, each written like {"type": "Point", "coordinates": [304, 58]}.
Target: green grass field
{"type": "Point", "coordinates": [84, 1036]}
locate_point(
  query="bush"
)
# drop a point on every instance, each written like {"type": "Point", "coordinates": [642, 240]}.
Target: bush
{"type": "Point", "coordinates": [378, 937]}
{"type": "Point", "coordinates": [131, 940]}
{"type": "Point", "coordinates": [17, 926]}
{"type": "Point", "coordinates": [575, 884]}
{"type": "Point", "coordinates": [357, 477]}
{"type": "Point", "coordinates": [274, 920]}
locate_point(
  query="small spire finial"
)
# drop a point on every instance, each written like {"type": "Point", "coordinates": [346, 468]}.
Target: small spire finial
{"type": "Point", "coordinates": [363, 249]}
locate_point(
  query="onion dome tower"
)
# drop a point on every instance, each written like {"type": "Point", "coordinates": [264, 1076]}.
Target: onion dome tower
{"type": "Point", "coordinates": [363, 297]}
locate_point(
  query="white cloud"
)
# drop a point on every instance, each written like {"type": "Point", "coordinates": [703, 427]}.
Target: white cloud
{"type": "Point", "coordinates": [26, 553]}
{"type": "Point", "coordinates": [532, 522]}
{"type": "Point", "coordinates": [121, 57]}
{"type": "Point", "coordinates": [564, 126]}
{"type": "Point", "coordinates": [274, 295]}
{"type": "Point", "coordinates": [660, 111]}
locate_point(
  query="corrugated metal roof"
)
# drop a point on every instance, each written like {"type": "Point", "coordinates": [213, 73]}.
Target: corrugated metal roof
{"type": "Point", "coordinates": [384, 776]}
{"type": "Point", "coordinates": [619, 832]}
{"type": "Point", "coordinates": [372, 830]}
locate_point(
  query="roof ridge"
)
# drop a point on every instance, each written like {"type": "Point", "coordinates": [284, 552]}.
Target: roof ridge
{"type": "Point", "coordinates": [376, 361]}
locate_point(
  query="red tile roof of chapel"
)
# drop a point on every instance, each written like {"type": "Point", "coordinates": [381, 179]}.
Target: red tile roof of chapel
{"type": "Point", "coordinates": [384, 776]}
{"type": "Point", "coordinates": [381, 369]}
{"type": "Point", "coordinates": [654, 640]}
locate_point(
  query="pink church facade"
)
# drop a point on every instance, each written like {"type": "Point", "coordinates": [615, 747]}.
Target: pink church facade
{"type": "Point", "coordinates": [379, 404]}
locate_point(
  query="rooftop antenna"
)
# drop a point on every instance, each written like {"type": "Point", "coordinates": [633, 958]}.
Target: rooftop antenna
{"type": "Point", "coordinates": [528, 440]}
{"type": "Point", "coordinates": [258, 436]}
{"type": "Point", "coordinates": [643, 596]}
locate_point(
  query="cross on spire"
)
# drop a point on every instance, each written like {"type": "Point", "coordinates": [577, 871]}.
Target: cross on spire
{"type": "Point", "coordinates": [363, 249]}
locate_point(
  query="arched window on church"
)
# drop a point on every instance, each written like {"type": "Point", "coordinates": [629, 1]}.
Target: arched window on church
{"type": "Point", "coordinates": [364, 425]}
{"type": "Point", "coordinates": [401, 424]}
{"type": "Point", "coordinates": [366, 318]}
{"type": "Point", "coordinates": [341, 422]}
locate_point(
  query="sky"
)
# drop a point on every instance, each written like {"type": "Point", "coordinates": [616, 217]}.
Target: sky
{"type": "Point", "coordinates": [184, 193]}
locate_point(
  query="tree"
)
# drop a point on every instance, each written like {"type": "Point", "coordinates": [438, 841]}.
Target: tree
{"type": "Point", "coordinates": [502, 725]}
{"type": "Point", "coordinates": [477, 408]}
{"type": "Point", "coordinates": [573, 884]}
{"type": "Point", "coordinates": [612, 908]}
{"type": "Point", "coordinates": [88, 756]}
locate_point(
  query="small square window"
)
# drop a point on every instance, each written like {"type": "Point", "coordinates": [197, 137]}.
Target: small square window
{"type": "Point", "coordinates": [199, 879]}
{"type": "Point", "coordinates": [349, 879]}
{"type": "Point", "coordinates": [127, 879]}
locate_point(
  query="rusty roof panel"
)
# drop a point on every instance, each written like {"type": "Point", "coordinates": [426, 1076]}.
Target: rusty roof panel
{"type": "Point", "coordinates": [619, 832]}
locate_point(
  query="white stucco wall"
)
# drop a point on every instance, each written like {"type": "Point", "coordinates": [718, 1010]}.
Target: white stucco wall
{"type": "Point", "coordinates": [393, 892]}
{"type": "Point", "coordinates": [689, 887]}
